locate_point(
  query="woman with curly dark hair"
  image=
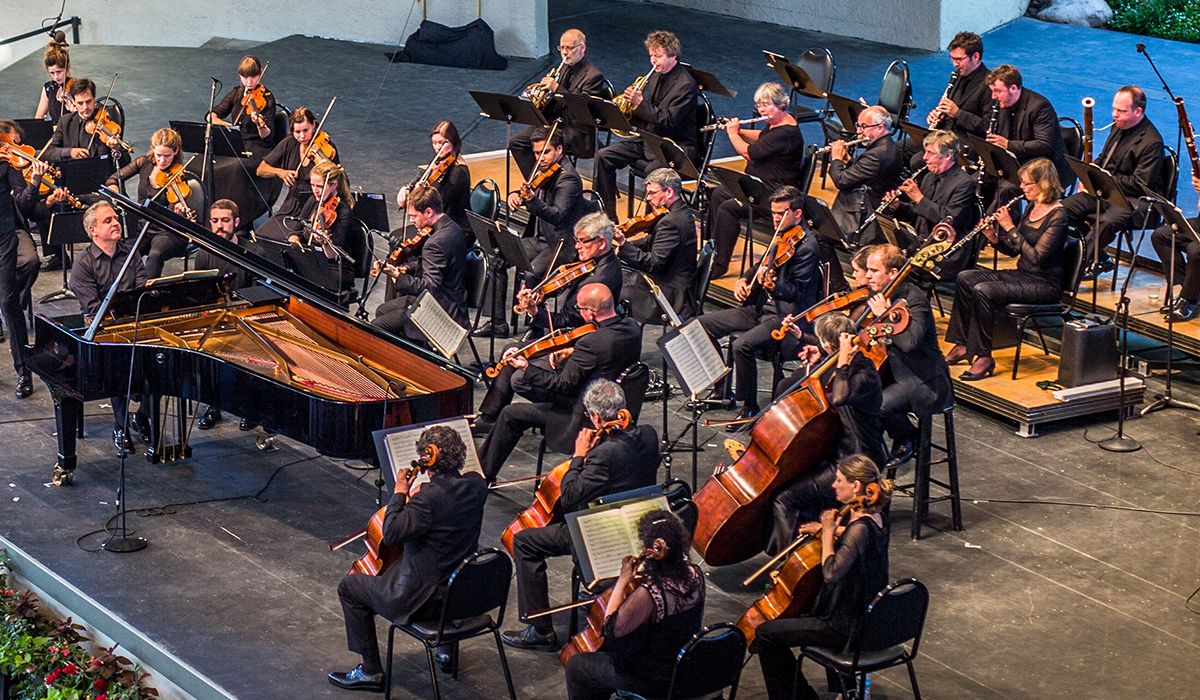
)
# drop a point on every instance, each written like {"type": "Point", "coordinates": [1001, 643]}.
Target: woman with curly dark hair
{"type": "Point", "coordinates": [644, 625]}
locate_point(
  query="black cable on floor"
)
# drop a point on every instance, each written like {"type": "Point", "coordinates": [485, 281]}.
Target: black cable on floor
{"type": "Point", "coordinates": [1073, 504]}
{"type": "Point", "coordinates": [1147, 450]}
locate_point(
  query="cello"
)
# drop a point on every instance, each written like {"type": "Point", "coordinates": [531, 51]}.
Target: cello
{"type": "Point", "coordinates": [794, 434]}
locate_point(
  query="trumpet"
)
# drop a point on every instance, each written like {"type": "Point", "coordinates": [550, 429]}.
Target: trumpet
{"type": "Point", "coordinates": [538, 94]}
{"type": "Point", "coordinates": [857, 141]}
{"type": "Point", "coordinates": [722, 122]}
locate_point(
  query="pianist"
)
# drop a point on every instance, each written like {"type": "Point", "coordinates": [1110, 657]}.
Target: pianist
{"type": "Point", "coordinates": [91, 276]}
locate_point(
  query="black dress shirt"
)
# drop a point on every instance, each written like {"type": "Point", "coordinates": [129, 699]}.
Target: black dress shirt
{"type": "Point", "coordinates": [94, 272]}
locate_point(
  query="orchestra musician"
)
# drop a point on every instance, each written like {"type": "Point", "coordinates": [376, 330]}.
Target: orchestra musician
{"type": "Point", "coordinates": [622, 460]}
{"type": "Point", "coordinates": [454, 185]}
{"type": "Point", "coordinates": [437, 522]}
{"type": "Point", "coordinates": [554, 386]}
{"type": "Point", "coordinates": [283, 162]}
{"type": "Point", "coordinates": [234, 178]}
{"type": "Point", "coordinates": [93, 273]}
{"type": "Point", "coordinates": [965, 107]}
{"type": "Point", "coordinates": [797, 285]}
{"type": "Point", "coordinates": [71, 140]}
{"type": "Point", "coordinates": [665, 107]}
{"type": "Point", "coordinates": [54, 99]}
{"type": "Point", "coordinates": [1037, 241]}
{"type": "Point", "coordinates": [668, 255]}
{"type": "Point", "coordinates": [18, 256]}
{"type": "Point", "coordinates": [1027, 126]}
{"type": "Point", "coordinates": [945, 191]}
{"type": "Point", "coordinates": [1185, 305]}
{"type": "Point", "coordinates": [440, 269]}
{"type": "Point", "coordinates": [854, 568]}
{"type": "Point", "coordinates": [553, 208]}
{"type": "Point", "coordinates": [649, 618]}
{"type": "Point", "coordinates": [159, 245]}
{"type": "Point", "coordinates": [1133, 155]}
{"type": "Point", "coordinates": [774, 155]}
{"type": "Point", "coordinates": [856, 393]}
{"type": "Point", "coordinates": [920, 379]}
{"type": "Point", "coordinates": [322, 231]}
{"type": "Point", "coordinates": [578, 77]}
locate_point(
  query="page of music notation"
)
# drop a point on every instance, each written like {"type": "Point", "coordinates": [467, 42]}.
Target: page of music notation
{"type": "Point", "coordinates": [432, 320]}
{"type": "Point", "coordinates": [695, 358]}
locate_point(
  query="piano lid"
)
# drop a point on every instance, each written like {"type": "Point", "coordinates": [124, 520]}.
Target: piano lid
{"type": "Point", "coordinates": [269, 273]}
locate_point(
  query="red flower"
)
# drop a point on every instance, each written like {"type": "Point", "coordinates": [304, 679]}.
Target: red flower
{"type": "Point", "coordinates": [70, 669]}
{"type": "Point", "coordinates": [101, 696]}
{"type": "Point", "coordinates": [99, 684]}
{"type": "Point", "coordinates": [53, 676]}
{"type": "Point", "coordinates": [53, 650]}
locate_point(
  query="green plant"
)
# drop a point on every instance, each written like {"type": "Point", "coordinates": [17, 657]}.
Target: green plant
{"type": "Point", "coordinates": [1167, 19]}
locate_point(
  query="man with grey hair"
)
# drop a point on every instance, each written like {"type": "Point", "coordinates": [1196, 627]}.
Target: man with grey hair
{"type": "Point", "coordinates": [944, 191]}
{"type": "Point", "coordinates": [606, 459]}
{"type": "Point", "coordinates": [668, 256]}
{"type": "Point", "coordinates": [593, 245]}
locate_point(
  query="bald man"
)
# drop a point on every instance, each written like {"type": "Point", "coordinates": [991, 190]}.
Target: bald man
{"type": "Point", "coordinates": [554, 388]}
{"type": "Point", "coordinates": [578, 77]}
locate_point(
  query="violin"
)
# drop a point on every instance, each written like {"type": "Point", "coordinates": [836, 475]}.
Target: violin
{"type": "Point", "coordinates": [795, 575]}
{"type": "Point", "coordinates": [552, 342]}
{"type": "Point", "coordinates": [544, 509]}
{"type": "Point", "coordinates": [634, 228]}
{"type": "Point", "coordinates": [379, 557]}
{"type": "Point", "coordinates": [564, 275]}
{"type": "Point", "coordinates": [325, 215]}
{"type": "Point", "coordinates": [64, 95]}
{"type": "Point", "coordinates": [402, 251]}
{"type": "Point", "coordinates": [834, 302]}
{"type": "Point", "coordinates": [22, 157]}
{"type": "Point", "coordinates": [177, 190]}
{"type": "Point", "coordinates": [793, 435]}
{"type": "Point", "coordinates": [785, 248]}
{"type": "Point", "coordinates": [437, 170]}
{"type": "Point", "coordinates": [103, 125]}
{"type": "Point", "coordinates": [254, 101]}
{"type": "Point", "coordinates": [539, 180]}
{"type": "Point", "coordinates": [319, 150]}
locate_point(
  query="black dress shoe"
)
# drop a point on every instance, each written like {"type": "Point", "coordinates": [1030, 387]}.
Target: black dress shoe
{"type": "Point", "coordinates": [1182, 310]}
{"type": "Point", "coordinates": [246, 424]}
{"type": "Point", "coordinates": [530, 638]}
{"type": "Point", "coordinates": [24, 386]}
{"type": "Point", "coordinates": [210, 418]}
{"type": "Point", "coordinates": [122, 442]}
{"type": "Point", "coordinates": [985, 370]}
{"type": "Point", "coordinates": [52, 264]}
{"type": "Point", "coordinates": [141, 428]}
{"type": "Point", "coordinates": [902, 451]}
{"type": "Point", "coordinates": [493, 330]}
{"type": "Point", "coordinates": [528, 336]}
{"type": "Point", "coordinates": [357, 680]}
{"type": "Point", "coordinates": [481, 426]}
{"type": "Point", "coordinates": [1093, 271]}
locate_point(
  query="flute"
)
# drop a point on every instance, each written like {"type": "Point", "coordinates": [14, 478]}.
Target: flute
{"type": "Point", "coordinates": [722, 122]}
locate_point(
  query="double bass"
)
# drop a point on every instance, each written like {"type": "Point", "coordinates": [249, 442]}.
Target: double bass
{"type": "Point", "coordinates": [793, 435]}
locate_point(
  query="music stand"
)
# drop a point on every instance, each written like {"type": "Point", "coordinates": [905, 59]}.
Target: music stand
{"type": "Point", "coordinates": [694, 359]}
{"type": "Point", "coordinates": [85, 174]}
{"type": "Point", "coordinates": [898, 233]}
{"type": "Point", "coordinates": [794, 76]}
{"type": "Point", "coordinates": [669, 154]}
{"type": "Point", "coordinates": [508, 109]}
{"type": "Point", "coordinates": [1097, 182]}
{"type": "Point", "coordinates": [751, 192]}
{"type": "Point", "coordinates": [707, 82]}
{"type": "Point", "coordinates": [502, 250]}
{"type": "Point", "coordinates": [820, 219]}
{"type": "Point", "coordinates": [846, 109]}
{"type": "Point", "coordinates": [914, 132]}
{"type": "Point", "coordinates": [1173, 218]}
{"type": "Point", "coordinates": [35, 131]}
{"type": "Point", "coordinates": [997, 162]}
{"type": "Point", "coordinates": [66, 229]}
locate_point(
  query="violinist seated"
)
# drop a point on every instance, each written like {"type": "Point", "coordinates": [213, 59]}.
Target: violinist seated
{"type": "Point", "coordinates": [72, 140]}
{"type": "Point", "coordinates": [855, 391]}
{"type": "Point", "coordinates": [54, 99]}
{"type": "Point", "coordinates": [292, 160]}
{"type": "Point", "coordinates": [668, 256]}
{"type": "Point", "coordinates": [440, 269]}
{"type": "Point", "coordinates": [223, 221]}
{"type": "Point", "coordinates": [920, 378]}
{"type": "Point", "coordinates": [606, 460]}
{"type": "Point", "coordinates": [767, 293]}
{"type": "Point", "coordinates": [448, 173]}
{"type": "Point", "coordinates": [317, 238]}
{"type": "Point", "coordinates": [162, 179]}
{"type": "Point", "coordinates": [437, 522]}
{"type": "Point", "coordinates": [94, 272]}
{"type": "Point", "coordinates": [555, 386]}
{"type": "Point", "coordinates": [774, 155]}
{"type": "Point", "coordinates": [854, 568]}
{"type": "Point", "coordinates": [652, 613]}
{"type": "Point", "coordinates": [945, 191]}
{"type": "Point", "coordinates": [593, 245]}
{"type": "Point", "coordinates": [248, 109]}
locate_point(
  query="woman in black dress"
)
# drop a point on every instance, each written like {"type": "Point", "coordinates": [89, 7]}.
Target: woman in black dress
{"type": "Point", "coordinates": [54, 98]}
{"type": "Point", "coordinates": [454, 182]}
{"type": "Point", "coordinates": [283, 162]}
{"type": "Point", "coordinates": [319, 242]}
{"type": "Point", "coordinates": [234, 178]}
{"type": "Point", "coordinates": [1037, 241]}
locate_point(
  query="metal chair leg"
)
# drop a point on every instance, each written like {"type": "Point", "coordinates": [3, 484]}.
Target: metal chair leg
{"type": "Point", "coordinates": [1020, 342]}
{"type": "Point", "coordinates": [512, 693]}
{"type": "Point", "coordinates": [387, 674]}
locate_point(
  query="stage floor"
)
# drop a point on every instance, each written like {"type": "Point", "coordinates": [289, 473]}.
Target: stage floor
{"type": "Point", "coordinates": [1030, 600]}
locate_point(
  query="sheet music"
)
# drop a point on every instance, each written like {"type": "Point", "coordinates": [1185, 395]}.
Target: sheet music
{"type": "Point", "coordinates": [694, 357]}
{"type": "Point", "coordinates": [436, 325]}
{"type": "Point", "coordinates": [400, 445]}
{"type": "Point", "coordinates": [610, 535]}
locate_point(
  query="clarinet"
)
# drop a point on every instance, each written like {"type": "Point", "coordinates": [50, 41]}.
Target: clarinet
{"type": "Point", "coordinates": [991, 129]}
{"type": "Point", "coordinates": [935, 117]}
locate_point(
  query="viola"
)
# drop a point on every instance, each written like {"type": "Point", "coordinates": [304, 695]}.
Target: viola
{"type": "Point", "coordinates": [641, 224]}
{"type": "Point", "coordinates": [319, 150]}
{"type": "Point", "coordinates": [552, 342]}
{"type": "Point", "coordinates": [254, 101]}
{"type": "Point", "coordinates": [539, 180]}
{"type": "Point", "coordinates": [402, 251]}
{"type": "Point", "coordinates": [795, 576]}
{"type": "Point", "coordinates": [103, 125]}
{"type": "Point", "coordinates": [794, 434]}
{"type": "Point", "coordinates": [544, 509]}
{"type": "Point", "coordinates": [177, 190]}
{"type": "Point", "coordinates": [438, 169]}
{"type": "Point", "coordinates": [785, 249]}
{"type": "Point", "coordinates": [564, 275]}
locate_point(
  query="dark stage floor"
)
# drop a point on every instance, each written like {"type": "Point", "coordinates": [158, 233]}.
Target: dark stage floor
{"type": "Point", "coordinates": [1031, 600]}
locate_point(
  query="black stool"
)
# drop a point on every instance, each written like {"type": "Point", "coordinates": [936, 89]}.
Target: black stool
{"type": "Point", "coordinates": [922, 475]}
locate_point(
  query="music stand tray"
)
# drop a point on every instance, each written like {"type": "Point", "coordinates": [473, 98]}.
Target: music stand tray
{"type": "Point", "coordinates": [493, 237]}
{"type": "Point", "coordinates": [35, 131]}
{"type": "Point", "coordinates": [914, 132]}
{"type": "Point", "coordinates": [671, 155]}
{"type": "Point", "coordinates": [846, 109]}
{"type": "Point", "coordinates": [86, 174]}
{"type": "Point", "coordinates": [608, 116]}
{"type": "Point", "coordinates": [707, 82]}
{"type": "Point", "coordinates": [227, 141]}
{"type": "Point", "coordinates": [1099, 183]}
{"type": "Point", "coordinates": [508, 108]}
{"type": "Point", "coordinates": [745, 188]}
{"type": "Point", "coordinates": [793, 75]}
{"type": "Point", "coordinates": [820, 219]}
{"type": "Point", "coordinates": [997, 162]}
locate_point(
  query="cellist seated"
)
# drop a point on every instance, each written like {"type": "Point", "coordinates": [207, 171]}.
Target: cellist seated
{"type": "Point", "coordinates": [437, 522]}
{"type": "Point", "coordinates": [618, 460]}
{"type": "Point", "coordinates": [554, 387]}
{"type": "Point", "coordinates": [794, 287]}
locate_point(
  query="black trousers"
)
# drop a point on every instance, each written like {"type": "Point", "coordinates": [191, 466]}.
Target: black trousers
{"type": "Point", "coordinates": [980, 294]}
{"type": "Point", "coordinates": [19, 266]}
{"type": "Point", "coordinates": [1081, 212]}
{"type": "Point", "coordinates": [609, 160]}
{"type": "Point", "coordinates": [392, 316]}
{"type": "Point", "coordinates": [594, 676]}
{"type": "Point", "coordinates": [904, 396]}
{"type": "Point", "coordinates": [510, 420]}
{"type": "Point", "coordinates": [801, 501]}
{"type": "Point", "coordinates": [531, 548]}
{"type": "Point", "coordinates": [725, 216]}
{"type": "Point", "coordinates": [364, 597]}
{"type": "Point", "coordinates": [775, 640]}
{"type": "Point", "coordinates": [159, 248]}
{"type": "Point", "coordinates": [755, 340]}
{"type": "Point", "coordinates": [1187, 258]}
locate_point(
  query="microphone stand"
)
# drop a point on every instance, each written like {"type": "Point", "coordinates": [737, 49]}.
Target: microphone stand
{"type": "Point", "coordinates": [1165, 400]}
{"type": "Point", "coordinates": [208, 164]}
{"type": "Point", "coordinates": [1141, 48]}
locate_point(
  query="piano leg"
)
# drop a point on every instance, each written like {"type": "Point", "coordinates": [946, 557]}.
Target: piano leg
{"type": "Point", "coordinates": [68, 418]}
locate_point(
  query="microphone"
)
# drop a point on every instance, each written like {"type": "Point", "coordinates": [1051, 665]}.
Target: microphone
{"type": "Point", "coordinates": [215, 79]}
{"type": "Point", "coordinates": [58, 36]}
{"type": "Point", "coordinates": [1141, 48]}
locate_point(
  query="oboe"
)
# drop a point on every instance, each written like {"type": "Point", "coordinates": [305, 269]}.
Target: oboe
{"type": "Point", "coordinates": [937, 115]}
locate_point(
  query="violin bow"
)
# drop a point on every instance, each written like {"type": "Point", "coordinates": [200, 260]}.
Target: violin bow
{"type": "Point", "coordinates": [545, 145]}
{"type": "Point", "coordinates": [107, 95]}
{"type": "Point", "coordinates": [304, 153]}
{"type": "Point", "coordinates": [171, 179]}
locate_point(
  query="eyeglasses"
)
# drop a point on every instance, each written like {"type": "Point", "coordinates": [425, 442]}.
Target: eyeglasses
{"type": "Point", "coordinates": [572, 47]}
{"type": "Point", "coordinates": [650, 192]}
{"type": "Point", "coordinates": [864, 127]}
{"type": "Point", "coordinates": [585, 241]}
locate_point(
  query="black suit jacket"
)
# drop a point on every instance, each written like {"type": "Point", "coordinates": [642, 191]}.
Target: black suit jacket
{"type": "Point", "coordinates": [862, 182]}
{"type": "Point", "coordinates": [443, 266]}
{"type": "Point", "coordinates": [952, 194]}
{"type": "Point", "coordinates": [72, 133]}
{"type": "Point", "coordinates": [668, 107]}
{"type": "Point", "coordinates": [974, 100]}
{"type": "Point", "coordinates": [607, 272]}
{"type": "Point", "coordinates": [914, 355]}
{"type": "Point", "coordinates": [624, 460]}
{"type": "Point", "coordinates": [439, 527]}
{"type": "Point", "coordinates": [556, 206]}
{"type": "Point", "coordinates": [670, 256]}
{"type": "Point", "coordinates": [797, 283]}
{"type": "Point", "coordinates": [1135, 159]}
{"type": "Point", "coordinates": [1031, 127]}
{"type": "Point", "coordinates": [581, 79]}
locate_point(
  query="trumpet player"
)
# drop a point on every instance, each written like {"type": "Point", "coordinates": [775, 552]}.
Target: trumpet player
{"type": "Point", "coordinates": [1133, 155]}
{"type": "Point", "coordinates": [944, 191]}
{"type": "Point", "coordinates": [774, 155]}
{"type": "Point", "coordinates": [665, 106]}
{"type": "Point", "coordinates": [964, 107]}
{"type": "Point", "coordinates": [574, 75]}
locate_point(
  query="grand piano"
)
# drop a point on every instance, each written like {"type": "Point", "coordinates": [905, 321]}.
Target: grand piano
{"type": "Point", "coordinates": [284, 355]}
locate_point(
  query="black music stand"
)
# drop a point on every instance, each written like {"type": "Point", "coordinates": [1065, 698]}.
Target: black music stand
{"type": "Point", "coordinates": [751, 192]}
{"type": "Point", "coordinates": [820, 219]}
{"type": "Point", "coordinates": [582, 110]}
{"type": "Point", "coordinates": [507, 108]}
{"type": "Point", "coordinates": [192, 134]}
{"type": "Point", "coordinates": [669, 154]}
{"type": "Point", "coordinates": [1099, 183]}
{"type": "Point", "coordinates": [86, 174]}
{"type": "Point", "coordinates": [1173, 218]}
{"type": "Point", "coordinates": [917, 134]}
{"type": "Point", "coordinates": [502, 250]}
{"type": "Point", "coordinates": [997, 162]}
{"type": "Point", "coordinates": [796, 78]}
{"type": "Point", "coordinates": [66, 229]}
{"type": "Point", "coordinates": [847, 111]}
{"type": "Point", "coordinates": [707, 82]}
{"type": "Point", "coordinates": [35, 131]}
